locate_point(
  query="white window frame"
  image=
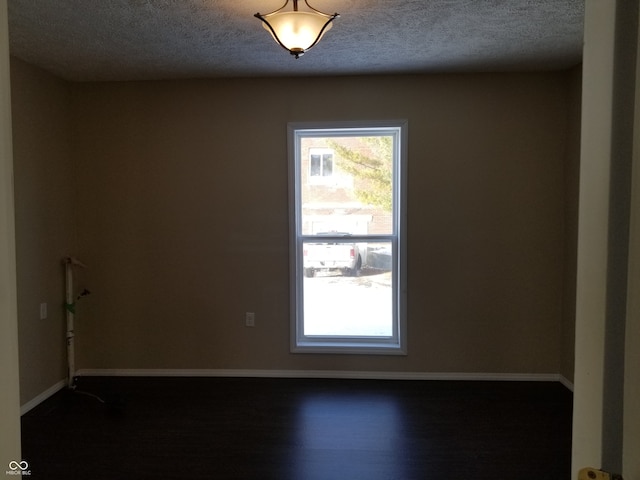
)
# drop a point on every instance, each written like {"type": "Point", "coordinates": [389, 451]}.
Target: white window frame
{"type": "Point", "coordinates": [397, 343]}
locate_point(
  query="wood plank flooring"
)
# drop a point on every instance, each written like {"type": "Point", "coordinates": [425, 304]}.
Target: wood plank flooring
{"type": "Point", "coordinates": [227, 428]}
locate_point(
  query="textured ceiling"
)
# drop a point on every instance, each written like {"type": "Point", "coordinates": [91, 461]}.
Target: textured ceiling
{"type": "Point", "coordinates": [89, 40]}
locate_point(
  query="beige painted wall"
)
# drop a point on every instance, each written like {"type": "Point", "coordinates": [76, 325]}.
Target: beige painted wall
{"type": "Point", "coordinates": [572, 185]}
{"type": "Point", "coordinates": [44, 210]}
{"type": "Point", "coordinates": [631, 447]}
{"type": "Point", "coordinates": [9, 378]}
{"type": "Point", "coordinates": [631, 428]}
{"type": "Point", "coordinates": [182, 219]}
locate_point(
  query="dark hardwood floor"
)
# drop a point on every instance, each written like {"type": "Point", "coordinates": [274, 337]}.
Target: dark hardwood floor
{"type": "Point", "coordinates": [227, 428]}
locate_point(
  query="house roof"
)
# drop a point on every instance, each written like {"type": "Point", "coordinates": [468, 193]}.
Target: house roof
{"type": "Point", "coordinates": [104, 40]}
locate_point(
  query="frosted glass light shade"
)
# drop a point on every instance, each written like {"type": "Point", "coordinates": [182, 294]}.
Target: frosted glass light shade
{"type": "Point", "coordinates": [297, 31]}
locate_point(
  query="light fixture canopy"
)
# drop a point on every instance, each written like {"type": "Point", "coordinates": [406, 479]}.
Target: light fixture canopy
{"type": "Point", "coordinates": [297, 30]}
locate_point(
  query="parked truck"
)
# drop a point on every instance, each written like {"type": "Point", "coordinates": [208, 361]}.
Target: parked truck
{"type": "Point", "coordinates": [332, 256]}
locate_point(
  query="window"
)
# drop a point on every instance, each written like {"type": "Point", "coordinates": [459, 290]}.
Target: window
{"type": "Point", "coordinates": [320, 162]}
{"type": "Point", "coordinates": [347, 248]}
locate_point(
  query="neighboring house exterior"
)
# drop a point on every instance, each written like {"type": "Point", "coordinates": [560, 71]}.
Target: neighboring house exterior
{"type": "Point", "coordinates": [329, 199]}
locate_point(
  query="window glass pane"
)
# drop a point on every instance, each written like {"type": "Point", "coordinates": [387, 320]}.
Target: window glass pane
{"type": "Point", "coordinates": [356, 195]}
{"type": "Point", "coordinates": [327, 165]}
{"type": "Point", "coordinates": [348, 289]}
{"type": "Point", "coordinates": [314, 166]}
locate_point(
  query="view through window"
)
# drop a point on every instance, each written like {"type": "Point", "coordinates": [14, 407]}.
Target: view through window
{"type": "Point", "coordinates": [348, 250]}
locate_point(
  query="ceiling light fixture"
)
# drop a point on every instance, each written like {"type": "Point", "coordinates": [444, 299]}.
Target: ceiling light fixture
{"type": "Point", "coordinates": [297, 30]}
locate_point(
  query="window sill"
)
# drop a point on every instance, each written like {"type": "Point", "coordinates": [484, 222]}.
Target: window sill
{"type": "Point", "coordinates": [346, 348]}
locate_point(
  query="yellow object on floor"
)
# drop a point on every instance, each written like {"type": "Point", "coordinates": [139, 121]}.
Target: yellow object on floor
{"type": "Point", "coordinates": [594, 474]}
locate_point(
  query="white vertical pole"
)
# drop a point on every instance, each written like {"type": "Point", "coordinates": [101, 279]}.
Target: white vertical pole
{"type": "Point", "coordinates": [70, 308]}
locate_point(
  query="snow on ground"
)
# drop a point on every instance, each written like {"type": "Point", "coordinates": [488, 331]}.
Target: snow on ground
{"type": "Point", "coordinates": [337, 305]}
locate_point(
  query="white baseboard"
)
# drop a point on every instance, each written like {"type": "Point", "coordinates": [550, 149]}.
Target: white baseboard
{"type": "Point", "coordinates": [34, 402]}
{"type": "Point", "coordinates": [565, 381]}
{"type": "Point", "coordinates": [241, 373]}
